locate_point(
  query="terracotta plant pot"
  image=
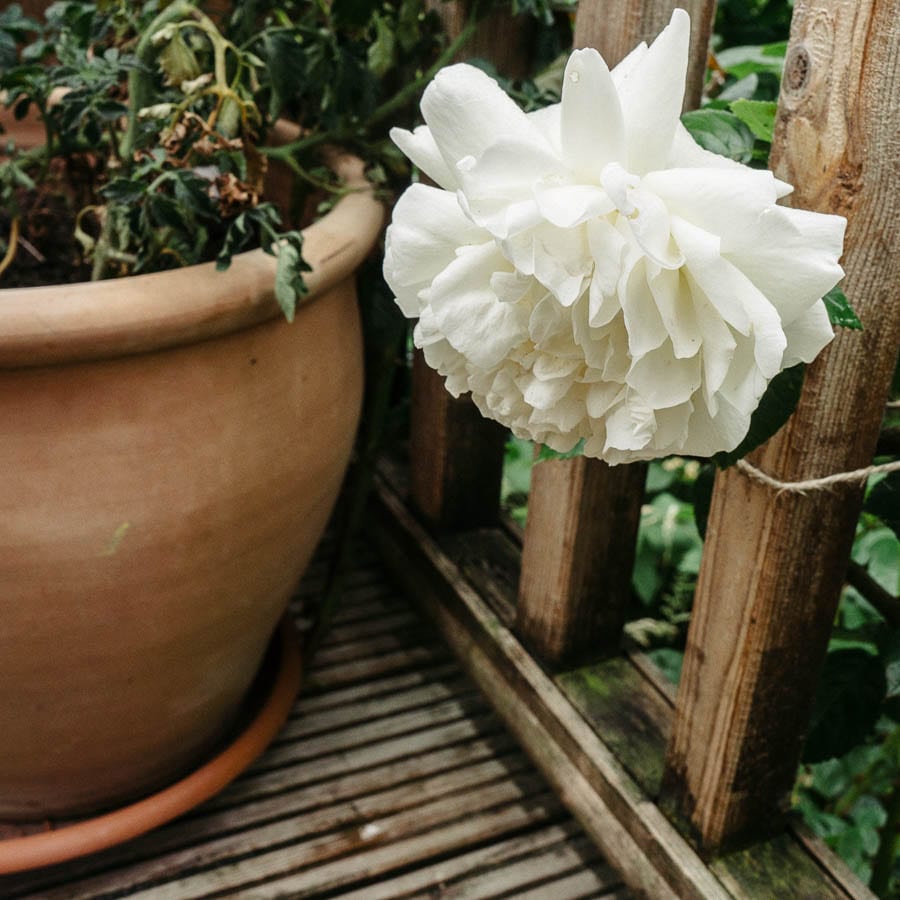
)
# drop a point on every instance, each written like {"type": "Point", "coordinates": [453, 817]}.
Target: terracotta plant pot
{"type": "Point", "coordinates": [171, 449]}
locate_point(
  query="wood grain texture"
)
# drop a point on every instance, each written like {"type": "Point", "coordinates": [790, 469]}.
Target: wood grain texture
{"type": "Point", "coordinates": [578, 556]}
{"type": "Point", "coordinates": [502, 38]}
{"type": "Point", "coordinates": [625, 824]}
{"type": "Point", "coordinates": [615, 27]}
{"type": "Point", "coordinates": [773, 565]}
{"type": "Point", "coordinates": [456, 456]}
{"type": "Point", "coordinates": [583, 515]}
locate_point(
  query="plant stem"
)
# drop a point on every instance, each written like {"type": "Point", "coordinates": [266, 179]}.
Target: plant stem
{"type": "Point", "coordinates": [883, 601]}
{"type": "Point", "coordinates": [387, 109]}
{"type": "Point", "coordinates": [140, 81]}
{"type": "Point", "coordinates": [10, 254]}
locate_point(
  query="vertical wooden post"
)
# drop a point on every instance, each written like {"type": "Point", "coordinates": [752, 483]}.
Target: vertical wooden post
{"type": "Point", "coordinates": [501, 38]}
{"type": "Point", "coordinates": [773, 565]}
{"type": "Point", "coordinates": [583, 515]}
{"type": "Point", "coordinates": [579, 552]}
{"type": "Point", "coordinates": [456, 456]}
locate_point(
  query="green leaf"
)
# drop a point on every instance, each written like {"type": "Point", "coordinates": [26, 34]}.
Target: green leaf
{"type": "Point", "coordinates": [847, 704]}
{"type": "Point", "coordinates": [382, 50]}
{"type": "Point", "coordinates": [742, 61]}
{"type": "Point", "coordinates": [720, 132]}
{"type": "Point", "coordinates": [775, 408]}
{"type": "Point", "coordinates": [669, 661]}
{"type": "Point", "coordinates": [124, 190]}
{"type": "Point", "coordinates": [548, 453]}
{"type": "Point", "coordinates": [840, 312]}
{"type": "Point", "coordinates": [289, 285]}
{"type": "Point", "coordinates": [758, 116]}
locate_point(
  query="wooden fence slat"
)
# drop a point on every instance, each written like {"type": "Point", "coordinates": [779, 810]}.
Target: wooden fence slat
{"type": "Point", "coordinates": [578, 555]}
{"type": "Point", "coordinates": [456, 456]}
{"type": "Point", "coordinates": [583, 515]}
{"type": "Point", "coordinates": [774, 564]}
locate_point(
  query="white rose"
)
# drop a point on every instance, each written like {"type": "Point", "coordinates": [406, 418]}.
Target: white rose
{"type": "Point", "coordinates": [589, 272]}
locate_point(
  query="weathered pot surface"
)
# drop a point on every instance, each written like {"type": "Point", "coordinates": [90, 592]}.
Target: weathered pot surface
{"type": "Point", "coordinates": [171, 450]}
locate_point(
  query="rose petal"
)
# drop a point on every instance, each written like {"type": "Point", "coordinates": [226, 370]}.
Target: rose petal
{"type": "Point", "coordinates": [652, 94]}
{"type": "Point", "coordinates": [570, 205]}
{"type": "Point", "coordinates": [796, 261]}
{"type": "Point", "coordinates": [467, 112]}
{"type": "Point", "coordinates": [427, 229]}
{"type": "Point", "coordinates": [498, 187]}
{"type": "Point", "coordinates": [419, 145]}
{"type": "Point", "coordinates": [592, 128]}
{"type": "Point", "coordinates": [807, 336]}
{"type": "Point", "coordinates": [468, 312]}
{"type": "Point", "coordinates": [662, 379]}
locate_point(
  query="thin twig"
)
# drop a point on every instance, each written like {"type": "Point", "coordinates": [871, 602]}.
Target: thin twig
{"type": "Point", "coordinates": [886, 603]}
{"type": "Point", "coordinates": [10, 254]}
{"type": "Point", "coordinates": [386, 110]}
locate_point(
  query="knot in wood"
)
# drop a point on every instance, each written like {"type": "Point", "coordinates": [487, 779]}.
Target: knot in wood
{"type": "Point", "coordinates": [796, 69]}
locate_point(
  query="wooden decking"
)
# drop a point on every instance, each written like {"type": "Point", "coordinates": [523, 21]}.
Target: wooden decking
{"type": "Point", "coordinates": [393, 778]}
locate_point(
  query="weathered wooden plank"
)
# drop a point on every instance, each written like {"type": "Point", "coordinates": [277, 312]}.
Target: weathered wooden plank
{"type": "Point", "coordinates": [389, 688]}
{"type": "Point", "coordinates": [578, 555]}
{"type": "Point", "coordinates": [456, 765]}
{"type": "Point", "coordinates": [289, 752]}
{"type": "Point", "coordinates": [351, 632]}
{"type": "Point", "coordinates": [637, 730]}
{"type": "Point", "coordinates": [774, 564]}
{"type": "Point", "coordinates": [777, 867]}
{"type": "Point", "coordinates": [479, 825]}
{"type": "Point", "coordinates": [629, 829]}
{"type": "Point", "coordinates": [574, 886]}
{"type": "Point", "coordinates": [583, 515]}
{"type": "Point", "coordinates": [272, 849]}
{"type": "Point", "coordinates": [427, 740]}
{"type": "Point", "coordinates": [456, 456]}
{"type": "Point", "coordinates": [375, 709]}
{"type": "Point", "coordinates": [489, 560]}
{"type": "Point", "coordinates": [309, 704]}
{"type": "Point", "coordinates": [548, 872]}
{"type": "Point", "coordinates": [434, 877]}
{"type": "Point", "coordinates": [355, 671]}
{"type": "Point", "coordinates": [632, 713]}
{"type": "Point", "coordinates": [308, 794]}
{"type": "Point", "coordinates": [376, 644]}
{"type": "Point", "coordinates": [278, 855]}
{"type": "Point", "coordinates": [826, 859]}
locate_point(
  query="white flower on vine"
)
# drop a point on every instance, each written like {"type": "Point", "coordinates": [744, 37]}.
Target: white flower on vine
{"type": "Point", "coordinates": [589, 272]}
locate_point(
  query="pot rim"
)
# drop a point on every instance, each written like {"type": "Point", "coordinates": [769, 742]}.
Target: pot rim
{"type": "Point", "coordinates": [84, 321]}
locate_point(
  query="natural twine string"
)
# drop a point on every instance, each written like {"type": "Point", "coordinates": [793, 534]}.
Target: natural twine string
{"type": "Point", "coordinates": [859, 476]}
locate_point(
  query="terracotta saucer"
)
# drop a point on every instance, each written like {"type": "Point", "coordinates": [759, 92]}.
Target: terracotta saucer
{"type": "Point", "coordinates": [270, 704]}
